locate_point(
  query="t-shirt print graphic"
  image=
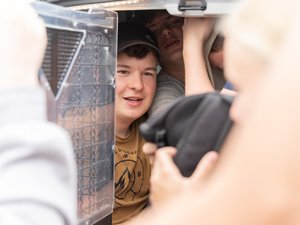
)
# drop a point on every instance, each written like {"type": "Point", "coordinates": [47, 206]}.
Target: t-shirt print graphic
{"type": "Point", "coordinates": [129, 182]}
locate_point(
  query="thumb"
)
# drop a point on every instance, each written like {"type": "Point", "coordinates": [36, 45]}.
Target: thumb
{"type": "Point", "coordinates": [205, 166]}
{"type": "Point", "coordinates": [164, 164]}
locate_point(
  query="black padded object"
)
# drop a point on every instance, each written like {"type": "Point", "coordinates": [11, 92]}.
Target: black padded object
{"type": "Point", "coordinates": [194, 125]}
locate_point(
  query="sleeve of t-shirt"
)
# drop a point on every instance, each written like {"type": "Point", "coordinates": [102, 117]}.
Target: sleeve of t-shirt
{"type": "Point", "coordinates": [228, 85]}
{"type": "Point", "coordinates": [166, 92]}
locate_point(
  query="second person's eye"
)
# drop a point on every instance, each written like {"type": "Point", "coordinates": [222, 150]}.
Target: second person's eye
{"type": "Point", "coordinates": [178, 22]}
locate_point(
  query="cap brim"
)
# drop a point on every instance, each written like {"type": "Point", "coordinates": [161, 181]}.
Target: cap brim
{"type": "Point", "coordinates": [132, 43]}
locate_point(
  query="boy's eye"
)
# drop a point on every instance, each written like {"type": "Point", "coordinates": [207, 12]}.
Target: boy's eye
{"type": "Point", "coordinates": [149, 74]}
{"type": "Point", "coordinates": [122, 72]}
{"type": "Point", "coordinates": [153, 29]}
{"type": "Point", "coordinates": [178, 22]}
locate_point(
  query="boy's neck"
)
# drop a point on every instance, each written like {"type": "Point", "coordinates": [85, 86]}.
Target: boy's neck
{"type": "Point", "coordinates": [122, 129]}
{"type": "Point", "coordinates": [176, 71]}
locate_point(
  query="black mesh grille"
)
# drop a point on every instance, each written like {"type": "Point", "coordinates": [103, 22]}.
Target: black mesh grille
{"type": "Point", "coordinates": [61, 49]}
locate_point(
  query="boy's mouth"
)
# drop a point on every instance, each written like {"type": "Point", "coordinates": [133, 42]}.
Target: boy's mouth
{"type": "Point", "coordinates": [133, 99]}
{"type": "Point", "coordinates": [171, 43]}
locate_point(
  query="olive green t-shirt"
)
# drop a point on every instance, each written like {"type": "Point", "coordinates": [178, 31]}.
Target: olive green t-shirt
{"type": "Point", "coordinates": [132, 176]}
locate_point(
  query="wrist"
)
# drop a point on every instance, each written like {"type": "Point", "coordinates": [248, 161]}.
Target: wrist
{"type": "Point", "coordinates": [193, 48]}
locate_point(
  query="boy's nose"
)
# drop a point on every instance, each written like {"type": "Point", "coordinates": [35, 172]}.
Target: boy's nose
{"type": "Point", "coordinates": [166, 31]}
{"type": "Point", "coordinates": [136, 82]}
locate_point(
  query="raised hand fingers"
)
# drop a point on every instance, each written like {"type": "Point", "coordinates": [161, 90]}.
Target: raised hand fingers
{"type": "Point", "coordinates": [150, 150]}
{"type": "Point", "coordinates": [166, 180]}
{"type": "Point", "coordinates": [205, 167]}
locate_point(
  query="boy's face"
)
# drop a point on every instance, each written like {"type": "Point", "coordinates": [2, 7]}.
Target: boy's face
{"type": "Point", "coordinates": [169, 35]}
{"type": "Point", "coordinates": [135, 86]}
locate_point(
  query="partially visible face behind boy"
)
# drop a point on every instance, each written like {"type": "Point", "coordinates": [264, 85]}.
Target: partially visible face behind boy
{"type": "Point", "coordinates": [135, 86]}
{"type": "Point", "coordinates": [169, 36]}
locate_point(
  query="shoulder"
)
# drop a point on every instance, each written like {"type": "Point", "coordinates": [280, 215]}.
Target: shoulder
{"type": "Point", "coordinates": [164, 79]}
{"type": "Point", "coordinates": [168, 85]}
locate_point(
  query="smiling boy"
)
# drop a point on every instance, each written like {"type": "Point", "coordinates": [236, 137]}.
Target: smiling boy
{"type": "Point", "coordinates": [135, 88]}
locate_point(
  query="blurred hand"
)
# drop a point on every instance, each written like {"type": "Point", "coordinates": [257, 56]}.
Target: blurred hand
{"type": "Point", "coordinates": [22, 43]}
{"type": "Point", "coordinates": [167, 181]}
{"type": "Point", "coordinates": [149, 148]}
{"type": "Point", "coordinates": [197, 29]}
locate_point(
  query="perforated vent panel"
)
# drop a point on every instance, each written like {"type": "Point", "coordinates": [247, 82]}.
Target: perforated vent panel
{"type": "Point", "coordinates": [61, 49]}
